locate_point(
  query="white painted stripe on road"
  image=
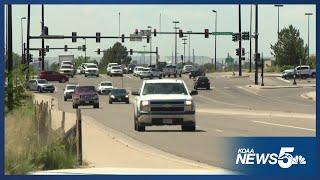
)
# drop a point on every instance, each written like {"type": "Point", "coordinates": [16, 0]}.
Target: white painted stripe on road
{"type": "Point", "coordinates": [282, 125]}
{"type": "Point", "coordinates": [128, 76]}
{"type": "Point", "coordinates": [221, 102]}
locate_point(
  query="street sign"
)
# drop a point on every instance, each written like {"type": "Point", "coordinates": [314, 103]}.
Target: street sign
{"type": "Point", "coordinates": [135, 37]}
{"type": "Point", "coordinates": [222, 33]}
{"type": "Point", "coordinates": [146, 32]}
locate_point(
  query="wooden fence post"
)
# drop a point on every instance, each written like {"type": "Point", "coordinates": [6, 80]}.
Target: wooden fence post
{"type": "Point", "coordinates": [79, 136]}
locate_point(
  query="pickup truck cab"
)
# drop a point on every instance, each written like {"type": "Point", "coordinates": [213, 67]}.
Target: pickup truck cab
{"type": "Point", "coordinates": [91, 70]}
{"type": "Point", "coordinates": [164, 102]}
{"type": "Point", "coordinates": [109, 67]}
{"type": "Point", "coordinates": [85, 96]}
{"type": "Point", "coordinates": [150, 73]}
{"type": "Point", "coordinates": [171, 70]}
{"type": "Point", "coordinates": [67, 69]}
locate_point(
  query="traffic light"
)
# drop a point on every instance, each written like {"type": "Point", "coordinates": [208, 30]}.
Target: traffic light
{"type": "Point", "coordinates": [245, 36]}
{"type": "Point", "coordinates": [235, 37]}
{"type": "Point", "coordinates": [180, 33]}
{"type": "Point", "coordinates": [131, 51]}
{"type": "Point", "coordinates": [45, 31]}
{"type": "Point", "coordinates": [206, 33]}
{"type": "Point", "coordinates": [65, 48]}
{"type": "Point", "coordinates": [47, 48]}
{"type": "Point", "coordinates": [74, 39]}
{"type": "Point", "coordinates": [98, 51]}
{"type": "Point", "coordinates": [44, 52]}
{"type": "Point", "coordinates": [136, 31]}
{"type": "Point", "coordinates": [154, 32]}
{"type": "Point", "coordinates": [30, 57]}
{"type": "Point", "coordinates": [84, 47]}
{"type": "Point", "coordinates": [122, 38]}
{"type": "Point", "coordinates": [242, 51]}
{"type": "Point", "coordinates": [257, 58]}
{"type": "Point", "coordinates": [40, 53]}
{"type": "Point", "coordinates": [238, 52]}
{"type": "Point", "coordinates": [148, 38]}
{"type": "Point", "coordinates": [97, 37]}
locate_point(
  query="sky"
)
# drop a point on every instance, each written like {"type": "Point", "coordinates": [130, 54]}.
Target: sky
{"type": "Point", "coordinates": [89, 19]}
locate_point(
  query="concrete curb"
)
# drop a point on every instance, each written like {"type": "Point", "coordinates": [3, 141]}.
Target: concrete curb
{"type": "Point", "coordinates": [281, 87]}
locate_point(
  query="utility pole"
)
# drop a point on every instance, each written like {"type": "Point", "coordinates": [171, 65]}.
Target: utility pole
{"type": "Point", "coordinates": [175, 42]}
{"type": "Point", "coordinates": [144, 57]}
{"type": "Point", "coordinates": [240, 48]}
{"type": "Point", "coordinates": [22, 54]}
{"type": "Point", "coordinates": [119, 25]}
{"type": "Point", "coordinates": [278, 6]}
{"type": "Point", "coordinates": [189, 57]}
{"type": "Point", "coordinates": [150, 46]}
{"type": "Point", "coordinates": [28, 42]}
{"type": "Point", "coordinates": [193, 58]}
{"type": "Point", "coordinates": [42, 32]}
{"type": "Point", "coordinates": [184, 50]}
{"type": "Point", "coordinates": [10, 83]}
{"type": "Point", "coordinates": [215, 41]}
{"type": "Point", "coordinates": [256, 48]}
{"type": "Point", "coordinates": [85, 50]}
{"type": "Point", "coordinates": [308, 14]}
{"type": "Point", "coordinates": [250, 56]}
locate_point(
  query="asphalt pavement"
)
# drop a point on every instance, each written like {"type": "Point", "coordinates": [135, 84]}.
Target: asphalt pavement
{"type": "Point", "coordinates": [229, 109]}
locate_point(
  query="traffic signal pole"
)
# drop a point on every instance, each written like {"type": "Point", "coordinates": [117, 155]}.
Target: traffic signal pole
{"type": "Point", "coordinates": [256, 48]}
{"type": "Point", "coordinates": [9, 54]}
{"type": "Point", "coordinates": [28, 42]}
{"type": "Point", "coordinates": [240, 48]}
{"type": "Point", "coordinates": [42, 32]}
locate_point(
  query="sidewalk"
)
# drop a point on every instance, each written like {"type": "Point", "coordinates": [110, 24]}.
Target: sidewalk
{"type": "Point", "coordinates": [109, 152]}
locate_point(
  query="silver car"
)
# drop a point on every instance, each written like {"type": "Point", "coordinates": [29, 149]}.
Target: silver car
{"type": "Point", "coordinates": [40, 85]}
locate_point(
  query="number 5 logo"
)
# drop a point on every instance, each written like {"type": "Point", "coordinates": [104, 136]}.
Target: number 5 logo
{"type": "Point", "coordinates": [285, 158]}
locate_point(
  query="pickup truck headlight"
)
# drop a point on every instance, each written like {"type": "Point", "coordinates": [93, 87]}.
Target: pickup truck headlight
{"type": "Point", "coordinates": [144, 105]}
{"type": "Point", "coordinates": [127, 96]}
{"type": "Point", "coordinates": [112, 96]}
{"type": "Point", "coordinates": [188, 105]}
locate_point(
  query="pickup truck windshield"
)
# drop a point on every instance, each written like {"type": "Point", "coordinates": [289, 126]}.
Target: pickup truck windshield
{"type": "Point", "coordinates": [106, 84]}
{"type": "Point", "coordinates": [86, 89]}
{"type": "Point", "coordinates": [91, 66]}
{"type": "Point", "coordinates": [66, 67]}
{"type": "Point", "coordinates": [71, 87]}
{"type": "Point", "coordinates": [42, 81]}
{"type": "Point", "coordinates": [164, 88]}
{"type": "Point", "coordinates": [115, 67]}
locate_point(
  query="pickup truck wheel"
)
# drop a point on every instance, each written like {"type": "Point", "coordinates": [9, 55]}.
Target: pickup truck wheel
{"type": "Point", "coordinates": [175, 75]}
{"type": "Point", "coordinates": [63, 80]}
{"type": "Point", "coordinates": [151, 77]}
{"type": "Point", "coordinates": [313, 75]}
{"type": "Point", "coordinates": [97, 75]}
{"type": "Point", "coordinates": [65, 99]}
{"type": "Point", "coordinates": [141, 77]}
{"type": "Point", "coordinates": [110, 102]}
{"type": "Point", "coordinates": [160, 76]}
{"type": "Point", "coordinates": [127, 102]}
{"type": "Point", "coordinates": [110, 75]}
{"type": "Point", "coordinates": [189, 76]}
{"type": "Point", "coordinates": [96, 106]}
{"type": "Point", "coordinates": [75, 106]}
{"type": "Point", "coordinates": [40, 90]}
{"type": "Point", "coordinates": [169, 75]}
{"type": "Point", "coordinates": [140, 127]}
{"type": "Point", "coordinates": [85, 75]}
{"type": "Point", "coordinates": [179, 75]}
{"type": "Point", "coordinates": [188, 127]}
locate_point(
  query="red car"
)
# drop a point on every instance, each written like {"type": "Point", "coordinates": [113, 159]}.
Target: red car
{"type": "Point", "coordinates": [53, 76]}
{"type": "Point", "coordinates": [85, 96]}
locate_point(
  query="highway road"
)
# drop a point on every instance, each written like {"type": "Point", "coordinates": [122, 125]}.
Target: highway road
{"type": "Point", "coordinates": [229, 109]}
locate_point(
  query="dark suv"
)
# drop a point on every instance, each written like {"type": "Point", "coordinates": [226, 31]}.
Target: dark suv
{"type": "Point", "coordinates": [85, 96]}
{"type": "Point", "coordinates": [195, 72]}
{"type": "Point", "coordinates": [53, 76]}
{"type": "Point", "coordinates": [202, 82]}
{"type": "Point", "coordinates": [118, 95]}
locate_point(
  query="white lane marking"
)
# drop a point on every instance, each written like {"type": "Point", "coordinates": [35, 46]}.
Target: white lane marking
{"type": "Point", "coordinates": [218, 130]}
{"type": "Point", "coordinates": [282, 125]}
{"type": "Point", "coordinates": [226, 87]}
{"type": "Point", "coordinates": [128, 76]}
{"type": "Point", "coordinates": [221, 102]}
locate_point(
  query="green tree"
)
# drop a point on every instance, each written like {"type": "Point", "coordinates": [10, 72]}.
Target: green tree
{"type": "Point", "coordinates": [80, 59]}
{"type": "Point", "coordinates": [289, 49]}
{"type": "Point", "coordinates": [54, 67]}
{"type": "Point", "coordinates": [115, 54]}
{"type": "Point", "coordinates": [312, 61]}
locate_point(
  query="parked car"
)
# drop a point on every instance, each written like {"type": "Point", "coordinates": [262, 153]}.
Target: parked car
{"type": "Point", "coordinates": [85, 96]}
{"type": "Point", "coordinates": [68, 91]}
{"type": "Point", "coordinates": [53, 76]}
{"type": "Point", "coordinates": [164, 102]}
{"type": "Point", "coordinates": [105, 87]}
{"type": "Point", "coordinates": [171, 70]}
{"type": "Point", "coordinates": [67, 69]}
{"type": "Point", "coordinates": [195, 72]}
{"type": "Point", "coordinates": [137, 70]}
{"type": "Point", "coordinates": [109, 67]}
{"type": "Point", "coordinates": [131, 68]}
{"type": "Point", "coordinates": [118, 95]}
{"type": "Point", "coordinates": [186, 69]}
{"type": "Point", "coordinates": [300, 71]}
{"type": "Point", "coordinates": [150, 73]}
{"type": "Point", "coordinates": [91, 70]}
{"type": "Point", "coordinates": [116, 71]}
{"type": "Point", "coordinates": [40, 85]}
{"type": "Point", "coordinates": [202, 82]}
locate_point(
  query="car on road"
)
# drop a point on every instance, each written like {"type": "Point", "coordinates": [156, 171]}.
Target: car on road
{"type": "Point", "coordinates": [116, 71]}
{"type": "Point", "coordinates": [91, 70]}
{"type": "Point", "coordinates": [186, 69]}
{"type": "Point", "coordinates": [195, 72]}
{"type": "Point", "coordinates": [119, 95]}
{"type": "Point", "coordinates": [68, 91]}
{"type": "Point", "coordinates": [164, 102]}
{"type": "Point", "coordinates": [150, 73]}
{"type": "Point", "coordinates": [303, 71]}
{"type": "Point", "coordinates": [40, 85]}
{"type": "Point", "coordinates": [105, 87]}
{"type": "Point", "coordinates": [171, 70]}
{"type": "Point", "coordinates": [67, 69]}
{"type": "Point", "coordinates": [53, 76]}
{"type": "Point", "coordinates": [109, 67]}
{"type": "Point", "coordinates": [202, 82]}
{"type": "Point", "coordinates": [137, 70]}
{"type": "Point", "coordinates": [85, 96]}
{"type": "Point", "coordinates": [131, 68]}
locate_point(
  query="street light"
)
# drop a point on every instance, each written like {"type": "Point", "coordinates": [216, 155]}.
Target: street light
{"type": "Point", "coordinates": [175, 42]}
{"type": "Point", "coordinates": [278, 6]}
{"type": "Point", "coordinates": [189, 46]}
{"type": "Point", "coordinates": [22, 50]}
{"type": "Point", "coordinates": [144, 57]}
{"type": "Point", "coordinates": [184, 50]}
{"type": "Point", "coordinates": [150, 45]}
{"type": "Point", "coordinates": [215, 41]}
{"type": "Point", "coordinates": [308, 14]}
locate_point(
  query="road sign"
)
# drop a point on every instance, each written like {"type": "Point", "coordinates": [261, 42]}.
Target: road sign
{"type": "Point", "coordinates": [222, 33]}
{"type": "Point", "coordinates": [146, 32]}
{"type": "Point", "coordinates": [135, 37]}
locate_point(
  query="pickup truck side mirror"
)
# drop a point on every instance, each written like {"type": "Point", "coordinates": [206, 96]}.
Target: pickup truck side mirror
{"type": "Point", "coordinates": [193, 92]}
{"type": "Point", "coordinates": [135, 92]}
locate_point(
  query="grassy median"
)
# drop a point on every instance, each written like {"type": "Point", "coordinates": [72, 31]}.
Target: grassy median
{"type": "Point", "coordinates": [24, 153]}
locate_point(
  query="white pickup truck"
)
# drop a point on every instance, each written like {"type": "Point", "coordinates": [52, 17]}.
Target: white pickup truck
{"type": "Point", "coordinates": [171, 70]}
{"type": "Point", "coordinates": [164, 102]}
{"type": "Point", "coordinates": [300, 71]}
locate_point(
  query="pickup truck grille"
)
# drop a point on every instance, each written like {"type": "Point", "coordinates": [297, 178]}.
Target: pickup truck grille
{"type": "Point", "coordinates": [166, 102]}
{"type": "Point", "coordinates": [167, 109]}
{"type": "Point", "coordinates": [166, 106]}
